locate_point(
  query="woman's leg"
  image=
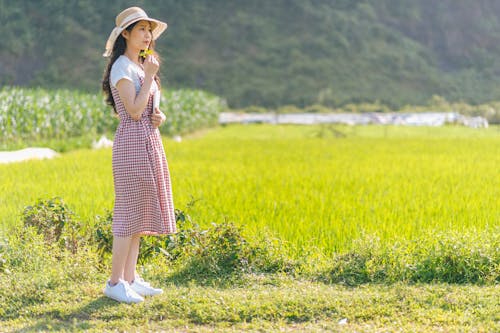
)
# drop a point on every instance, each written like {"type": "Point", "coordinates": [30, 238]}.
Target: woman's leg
{"type": "Point", "coordinates": [131, 262]}
{"type": "Point", "coordinates": [121, 246]}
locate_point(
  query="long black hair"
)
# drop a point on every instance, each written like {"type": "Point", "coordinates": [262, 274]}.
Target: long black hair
{"type": "Point", "coordinates": [118, 50]}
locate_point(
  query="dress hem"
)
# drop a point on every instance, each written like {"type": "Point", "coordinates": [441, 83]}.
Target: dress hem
{"type": "Point", "coordinates": [146, 233]}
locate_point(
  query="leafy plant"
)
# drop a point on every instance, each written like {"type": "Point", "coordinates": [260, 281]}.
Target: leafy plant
{"type": "Point", "coordinates": [449, 258]}
{"type": "Point", "coordinates": [103, 237]}
{"type": "Point", "coordinates": [219, 250]}
{"type": "Point", "coordinates": [40, 114]}
{"type": "Point", "coordinates": [55, 221]}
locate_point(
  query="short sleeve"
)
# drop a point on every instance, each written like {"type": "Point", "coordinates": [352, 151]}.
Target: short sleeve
{"type": "Point", "coordinates": [120, 70]}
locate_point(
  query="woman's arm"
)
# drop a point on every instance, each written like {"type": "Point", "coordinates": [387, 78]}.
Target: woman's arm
{"type": "Point", "coordinates": [135, 105]}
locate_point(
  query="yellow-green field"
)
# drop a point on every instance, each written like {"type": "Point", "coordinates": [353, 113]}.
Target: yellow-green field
{"type": "Point", "coordinates": [409, 216]}
{"type": "Point", "coordinates": [303, 184]}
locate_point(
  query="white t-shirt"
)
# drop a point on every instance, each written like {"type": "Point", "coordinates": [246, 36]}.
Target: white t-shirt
{"type": "Point", "coordinates": [124, 68]}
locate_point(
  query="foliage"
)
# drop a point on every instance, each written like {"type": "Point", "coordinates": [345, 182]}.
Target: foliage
{"type": "Point", "coordinates": [190, 110]}
{"type": "Point", "coordinates": [301, 211]}
{"type": "Point", "coordinates": [222, 250]}
{"type": "Point", "coordinates": [273, 53]}
{"type": "Point", "coordinates": [219, 250]}
{"type": "Point", "coordinates": [103, 236]}
{"type": "Point", "coordinates": [55, 221]}
{"type": "Point", "coordinates": [449, 257]}
{"type": "Point", "coordinates": [40, 114]}
{"type": "Point", "coordinates": [490, 111]}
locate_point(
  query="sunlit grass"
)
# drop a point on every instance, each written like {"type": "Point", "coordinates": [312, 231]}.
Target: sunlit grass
{"type": "Point", "coordinates": [303, 184]}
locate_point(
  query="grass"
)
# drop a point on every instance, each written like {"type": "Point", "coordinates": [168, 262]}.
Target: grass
{"type": "Point", "coordinates": [268, 305]}
{"type": "Point", "coordinates": [53, 291]}
{"type": "Point", "coordinates": [392, 205]}
{"type": "Point", "coordinates": [323, 192]}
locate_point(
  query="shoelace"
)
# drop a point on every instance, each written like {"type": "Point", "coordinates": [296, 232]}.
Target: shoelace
{"type": "Point", "coordinates": [128, 291]}
{"type": "Point", "coordinates": [144, 283]}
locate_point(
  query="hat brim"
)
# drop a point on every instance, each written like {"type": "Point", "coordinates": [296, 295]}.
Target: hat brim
{"type": "Point", "coordinates": [158, 28]}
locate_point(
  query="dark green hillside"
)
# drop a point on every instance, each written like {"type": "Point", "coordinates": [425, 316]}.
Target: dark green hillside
{"type": "Point", "coordinates": [272, 53]}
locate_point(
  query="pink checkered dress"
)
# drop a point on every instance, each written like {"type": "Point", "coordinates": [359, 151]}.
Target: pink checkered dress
{"type": "Point", "coordinates": [143, 193]}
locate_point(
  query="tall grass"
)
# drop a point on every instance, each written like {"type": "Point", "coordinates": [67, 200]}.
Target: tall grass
{"type": "Point", "coordinates": [39, 114]}
{"type": "Point", "coordinates": [285, 181]}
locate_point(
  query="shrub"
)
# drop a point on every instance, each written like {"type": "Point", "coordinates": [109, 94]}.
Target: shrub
{"type": "Point", "coordinates": [51, 232]}
{"type": "Point", "coordinates": [456, 258]}
{"type": "Point", "coordinates": [103, 236]}
{"type": "Point", "coordinates": [55, 221]}
{"type": "Point", "coordinates": [174, 247]}
{"type": "Point", "coordinates": [219, 250]}
{"type": "Point", "coordinates": [222, 250]}
{"type": "Point", "coordinates": [171, 246]}
{"type": "Point", "coordinates": [448, 258]}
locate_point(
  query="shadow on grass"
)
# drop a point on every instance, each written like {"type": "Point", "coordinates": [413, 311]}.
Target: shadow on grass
{"type": "Point", "coordinates": [191, 276]}
{"type": "Point", "coordinates": [80, 319]}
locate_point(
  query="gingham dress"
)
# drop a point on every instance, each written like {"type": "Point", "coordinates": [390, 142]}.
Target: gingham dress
{"type": "Point", "coordinates": [143, 193]}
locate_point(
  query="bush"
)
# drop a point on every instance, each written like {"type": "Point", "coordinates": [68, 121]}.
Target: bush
{"type": "Point", "coordinates": [55, 221]}
{"type": "Point", "coordinates": [171, 246]}
{"type": "Point", "coordinates": [103, 237]}
{"type": "Point", "coordinates": [448, 258]}
{"type": "Point", "coordinates": [52, 232]}
{"type": "Point", "coordinates": [220, 250]}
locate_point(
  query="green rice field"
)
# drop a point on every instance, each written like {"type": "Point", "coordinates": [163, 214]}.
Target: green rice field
{"type": "Point", "coordinates": [320, 187]}
{"type": "Point", "coordinates": [387, 229]}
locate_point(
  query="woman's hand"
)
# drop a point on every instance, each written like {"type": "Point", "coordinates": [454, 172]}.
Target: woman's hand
{"type": "Point", "coordinates": [157, 118]}
{"type": "Point", "coordinates": [150, 65]}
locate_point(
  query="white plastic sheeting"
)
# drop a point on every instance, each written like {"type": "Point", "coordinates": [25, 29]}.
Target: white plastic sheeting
{"type": "Point", "coordinates": [103, 142]}
{"type": "Point", "coordinates": [407, 119]}
{"type": "Point", "coordinates": [26, 154]}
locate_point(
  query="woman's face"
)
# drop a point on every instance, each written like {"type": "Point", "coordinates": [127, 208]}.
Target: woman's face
{"type": "Point", "coordinates": [140, 37]}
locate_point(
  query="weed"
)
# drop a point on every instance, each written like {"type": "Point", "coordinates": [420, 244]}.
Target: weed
{"type": "Point", "coordinates": [55, 221]}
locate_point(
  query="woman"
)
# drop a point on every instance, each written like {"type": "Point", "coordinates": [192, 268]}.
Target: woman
{"type": "Point", "coordinates": [143, 195]}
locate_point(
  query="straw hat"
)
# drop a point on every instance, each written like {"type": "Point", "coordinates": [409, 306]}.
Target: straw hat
{"type": "Point", "coordinates": [126, 18]}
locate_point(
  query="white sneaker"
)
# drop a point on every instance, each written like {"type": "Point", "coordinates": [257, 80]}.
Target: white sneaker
{"type": "Point", "coordinates": [144, 288]}
{"type": "Point", "coordinates": [122, 292]}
